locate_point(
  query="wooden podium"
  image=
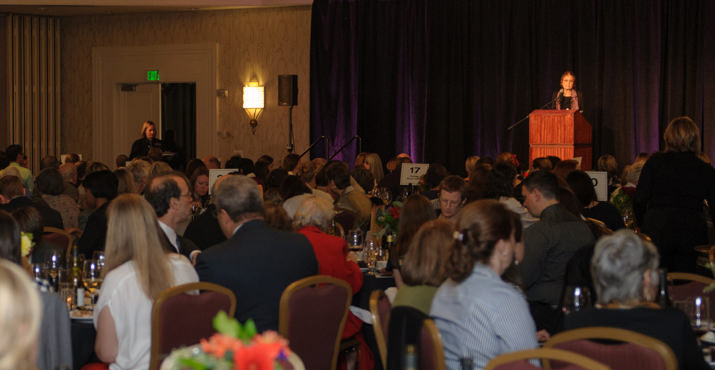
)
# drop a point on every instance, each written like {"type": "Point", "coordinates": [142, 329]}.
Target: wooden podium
{"type": "Point", "coordinates": [562, 133]}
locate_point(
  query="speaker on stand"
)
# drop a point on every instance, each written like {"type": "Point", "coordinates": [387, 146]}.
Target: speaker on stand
{"type": "Point", "coordinates": [288, 96]}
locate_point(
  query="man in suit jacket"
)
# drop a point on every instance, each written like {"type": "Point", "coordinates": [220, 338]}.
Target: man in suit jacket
{"type": "Point", "coordinates": [257, 262]}
{"type": "Point", "coordinates": [170, 196]}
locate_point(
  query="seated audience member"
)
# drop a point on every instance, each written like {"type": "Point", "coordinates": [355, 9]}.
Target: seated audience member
{"type": "Point", "coordinates": [233, 162]}
{"type": "Point", "coordinates": [125, 181]}
{"type": "Point", "coordinates": [260, 169]}
{"type": "Point", "coordinates": [507, 158]}
{"type": "Point", "coordinates": [478, 314]}
{"type": "Point", "coordinates": [71, 158]}
{"type": "Point", "coordinates": [349, 198]}
{"type": "Point", "coordinates": [18, 162]}
{"type": "Point", "coordinates": [199, 181]}
{"type": "Point", "coordinates": [96, 166]}
{"type": "Point", "coordinates": [101, 188]}
{"type": "Point", "coordinates": [137, 269]}
{"type": "Point", "coordinates": [170, 197]}
{"type": "Point", "coordinates": [416, 211]}
{"type": "Point", "coordinates": [452, 197]}
{"type": "Point", "coordinates": [541, 163]}
{"type": "Point", "coordinates": [159, 168]}
{"type": "Point", "coordinates": [12, 197]}
{"type": "Point", "coordinates": [476, 187]}
{"type": "Point", "coordinates": [360, 160]}
{"type": "Point", "coordinates": [291, 163]}
{"type": "Point", "coordinates": [582, 185]}
{"type": "Point", "coordinates": [548, 246]}
{"type": "Point", "coordinates": [293, 191]}
{"type": "Point", "coordinates": [257, 262]}
{"type": "Point", "coordinates": [392, 178]}
{"type": "Point", "coordinates": [30, 221]}
{"type": "Point", "coordinates": [469, 164]}
{"type": "Point", "coordinates": [211, 162]}
{"type": "Point", "coordinates": [672, 190]}
{"type": "Point", "coordinates": [267, 159]}
{"type": "Point", "coordinates": [500, 186]}
{"type": "Point", "coordinates": [245, 167]}
{"type": "Point", "coordinates": [373, 163]}
{"type": "Point", "coordinates": [432, 178]}
{"type": "Point", "coordinates": [69, 177]}
{"type": "Point", "coordinates": [49, 161]}
{"type": "Point", "coordinates": [121, 160]}
{"type": "Point", "coordinates": [49, 186]}
{"type": "Point", "coordinates": [625, 275]}
{"type": "Point", "coordinates": [565, 167]}
{"type": "Point", "coordinates": [607, 163]}
{"type": "Point", "coordinates": [424, 267]}
{"type": "Point", "coordinates": [194, 165]}
{"type": "Point", "coordinates": [204, 229]}
{"type": "Point", "coordinates": [20, 320]}
{"type": "Point", "coordinates": [271, 192]}
{"type": "Point", "coordinates": [277, 218]}
{"type": "Point", "coordinates": [364, 178]}
{"type": "Point", "coordinates": [53, 349]}
{"type": "Point", "coordinates": [141, 170]}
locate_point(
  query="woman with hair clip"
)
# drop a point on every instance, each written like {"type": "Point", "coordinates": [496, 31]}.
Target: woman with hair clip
{"type": "Point", "coordinates": [478, 314]}
{"type": "Point", "coordinates": [137, 269]}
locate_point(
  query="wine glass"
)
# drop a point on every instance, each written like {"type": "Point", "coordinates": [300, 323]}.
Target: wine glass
{"type": "Point", "coordinates": [99, 256]}
{"type": "Point", "coordinates": [385, 195]}
{"type": "Point", "coordinates": [92, 278]}
{"type": "Point", "coordinates": [370, 254]}
{"type": "Point", "coordinates": [54, 264]}
{"type": "Point", "coordinates": [66, 286]}
{"type": "Point", "coordinates": [39, 271]}
{"type": "Point", "coordinates": [576, 298]}
{"type": "Point", "coordinates": [698, 311]}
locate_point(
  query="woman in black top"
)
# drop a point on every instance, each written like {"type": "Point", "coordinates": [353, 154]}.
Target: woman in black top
{"type": "Point", "coordinates": [141, 146]}
{"type": "Point", "coordinates": [669, 200]}
{"type": "Point", "coordinates": [567, 97]}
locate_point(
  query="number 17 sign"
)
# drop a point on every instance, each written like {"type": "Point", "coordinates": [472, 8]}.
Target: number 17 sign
{"type": "Point", "coordinates": [412, 172]}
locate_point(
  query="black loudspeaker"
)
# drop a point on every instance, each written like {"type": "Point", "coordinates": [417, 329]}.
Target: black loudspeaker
{"type": "Point", "coordinates": [288, 90]}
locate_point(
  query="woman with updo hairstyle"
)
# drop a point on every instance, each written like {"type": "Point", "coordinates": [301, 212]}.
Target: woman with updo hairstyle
{"type": "Point", "coordinates": [424, 267]}
{"type": "Point", "coordinates": [20, 318]}
{"type": "Point", "coordinates": [478, 314]}
{"type": "Point", "coordinates": [625, 276]}
{"type": "Point", "coordinates": [670, 197]}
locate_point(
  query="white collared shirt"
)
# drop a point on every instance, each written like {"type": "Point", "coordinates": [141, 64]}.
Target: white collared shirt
{"type": "Point", "coordinates": [170, 235]}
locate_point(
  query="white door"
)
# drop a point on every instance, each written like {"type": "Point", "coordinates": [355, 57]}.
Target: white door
{"type": "Point", "coordinates": [135, 107]}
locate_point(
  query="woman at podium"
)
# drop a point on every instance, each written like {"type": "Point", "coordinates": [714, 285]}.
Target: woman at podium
{"type": "Point", "coordinates": [567, 97]}
{"type": "Point", "coordinates": [148, 140]}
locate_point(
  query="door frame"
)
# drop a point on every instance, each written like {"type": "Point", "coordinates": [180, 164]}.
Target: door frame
{"type": "Point", "coordinates": [112, 66]}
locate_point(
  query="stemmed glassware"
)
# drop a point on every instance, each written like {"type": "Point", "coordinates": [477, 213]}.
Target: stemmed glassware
{"type": "Point", "coordinates": [370, 255]}
{"type": "Point", "coordinates": [99, 256]}
{"type": "Point", "coordinates": [92, 278]}
{"type": "Point", "coordinates": [576, 298]}
{"type": "Point", "coordinates": [54, 264]}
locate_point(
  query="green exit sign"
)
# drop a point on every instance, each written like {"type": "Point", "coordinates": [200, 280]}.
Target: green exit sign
{"type": "Point", "coordinates": [152, 75]}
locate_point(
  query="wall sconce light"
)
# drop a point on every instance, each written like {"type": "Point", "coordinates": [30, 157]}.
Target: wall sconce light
{"type": "Point", "coordinates": [253, 102]}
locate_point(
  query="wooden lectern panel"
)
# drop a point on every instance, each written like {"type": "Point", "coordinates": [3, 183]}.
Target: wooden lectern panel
{"type": "Point", "coordinates": [562, 133]}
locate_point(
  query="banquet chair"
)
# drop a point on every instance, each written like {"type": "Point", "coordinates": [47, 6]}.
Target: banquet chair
{"type": "Point", "coordinates": [380, 307]}
{"type": "Point", "coordinates": [312, 316]}
{"type": "Point", "coordinates": [519, 360]}
{"type": "Point", "coordinates": [184, 314]}
{"type": "Point", "coordinates": [432, 352]}
{"type": "Point", "coordinates": [633, 351]}
{"type": "Point", "coordinates": [687, 285]}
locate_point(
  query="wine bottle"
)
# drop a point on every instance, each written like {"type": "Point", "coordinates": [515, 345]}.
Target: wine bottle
{"type": "Point", "coordinates": [410, 358]}
{"type": "Point", "coordinates": [663, 298]}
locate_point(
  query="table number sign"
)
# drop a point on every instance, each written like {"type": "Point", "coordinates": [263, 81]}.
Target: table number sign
{"type": "Point", "coordinates": [412, 172]}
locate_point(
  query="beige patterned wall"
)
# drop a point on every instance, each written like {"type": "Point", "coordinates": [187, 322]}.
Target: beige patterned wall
{"type": "Point", "coordinates": [264, 42]}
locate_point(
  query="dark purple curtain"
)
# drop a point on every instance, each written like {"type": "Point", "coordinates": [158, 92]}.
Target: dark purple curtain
{"type": "Point", "coordinates": [443, 79]}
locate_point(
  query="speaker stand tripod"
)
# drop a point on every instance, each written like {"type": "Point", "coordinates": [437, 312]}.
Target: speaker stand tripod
{"type": "Point", "coordinates": [291, 139]}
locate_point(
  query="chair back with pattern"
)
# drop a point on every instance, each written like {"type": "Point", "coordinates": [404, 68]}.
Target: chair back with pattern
{"type": "Point", "coordinates": [313, 312]}
{"type": "Point", "coordinates": [687, 286]}
{"type": "Point", "coordinates": [519, 360]}
{"type": "Point", "coordinates": [184, 314]}
{"type": "Point", "coordinates": [632, 351]}
{"type": "Point", "coordinates": [380, 307]}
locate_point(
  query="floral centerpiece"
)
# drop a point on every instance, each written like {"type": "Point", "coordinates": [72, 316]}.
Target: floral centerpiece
{"type": "Point", "coordinates": [622, 199]}
{"type": "Point", "coordinates": [389, 218]}
{"type": "Point", "coordinates": [26, 243]}
{"type": "Point", "coordinates": [235, 347]}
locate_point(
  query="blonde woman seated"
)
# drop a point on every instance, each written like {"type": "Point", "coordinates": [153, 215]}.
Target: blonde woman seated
{"type": "Point", "coordinates": [137, 269]}
{"type": "Point", "coordinates": [424, 267]}
{"type": "Point", "coordinates": [625, 276]}
{"type": "Point", "coordinates": [478, 314]}
{"type": "Point", "coordinates": [20, 317]}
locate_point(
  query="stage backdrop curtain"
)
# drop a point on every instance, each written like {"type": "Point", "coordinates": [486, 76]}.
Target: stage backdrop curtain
{"type": "Point", "coordinates": [443, 79]}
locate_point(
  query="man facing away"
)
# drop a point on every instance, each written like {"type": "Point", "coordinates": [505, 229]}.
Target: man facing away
{"type": "Point", "coordinates": [549, 244]}
{"type": "Point", "coordinates": [257, 262]}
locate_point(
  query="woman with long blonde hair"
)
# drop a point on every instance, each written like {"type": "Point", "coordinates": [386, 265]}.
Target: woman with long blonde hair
{"type": "Point", "coordinates": [20, 317]}
{"type": "Point", "coordinates": [137, 269]}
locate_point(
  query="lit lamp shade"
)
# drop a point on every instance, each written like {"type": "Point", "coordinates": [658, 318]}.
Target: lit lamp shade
{"type": "Point", "coordinates": [253, 103]}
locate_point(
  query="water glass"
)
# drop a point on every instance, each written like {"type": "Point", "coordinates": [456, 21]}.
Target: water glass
{"type": "Point", "coordinates": [39, 271]}
{"type": "Point", "coordinates": [99, 256]}
{"type": "Point", "coordinates": [576, 298]}
{"type": "Point", "coordinates": [355, 239]}
{"type": "Point", "coordinates": [698, 311]}
{"type": "Point", "coordinates": [66, 287]}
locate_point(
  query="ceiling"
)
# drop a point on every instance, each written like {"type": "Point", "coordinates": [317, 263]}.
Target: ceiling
{"type": "Point", "coordinates": [65, 8]}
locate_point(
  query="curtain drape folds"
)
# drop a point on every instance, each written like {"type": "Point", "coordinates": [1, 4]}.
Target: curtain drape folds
{"type": "Point", "coordinates": [443, 79]}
